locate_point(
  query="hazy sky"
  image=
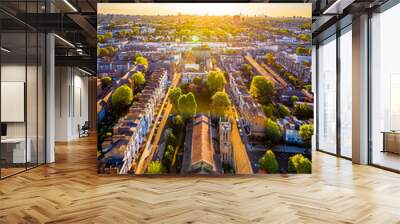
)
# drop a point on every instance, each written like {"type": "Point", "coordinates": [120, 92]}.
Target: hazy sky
{"type": "Point", "coordinates": [218, 9]}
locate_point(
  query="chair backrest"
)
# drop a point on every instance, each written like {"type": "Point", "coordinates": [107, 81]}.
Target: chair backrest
{"type": "Point", "coordinates": [86, 125]}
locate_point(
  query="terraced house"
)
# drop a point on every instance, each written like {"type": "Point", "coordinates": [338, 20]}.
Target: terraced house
{"type": "Point", "coordinates": [131, 130]}
{"type": "Point", "coordinates": [251, 112]}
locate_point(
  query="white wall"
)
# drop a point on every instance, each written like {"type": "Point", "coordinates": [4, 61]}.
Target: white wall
{"type": "Point", "coordinates": [71, 102]}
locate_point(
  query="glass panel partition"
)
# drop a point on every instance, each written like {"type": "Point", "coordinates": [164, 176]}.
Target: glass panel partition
{"type": "Point", "coordinates": [346, 93]}
{"type": "Point", "coordinates": [385, 89]}
{"type": "Point", "coordinates": [327, 96]}
{"type": "Point", "coordinates": [22, 67]}
{"type": "Point", "coordinates": [13, 92]}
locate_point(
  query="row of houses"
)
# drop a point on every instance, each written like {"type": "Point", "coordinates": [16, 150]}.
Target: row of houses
{"type": "Point", "coordinates": [295, 64]}
{"type": "Point", "coordinates": [252, 115]}
{"type": "Point", "coordinates": [132, 129]}
{"type": "Point", "coordinates": [116, 66]}
{"type": "Point", "coordinates": [250, 110]}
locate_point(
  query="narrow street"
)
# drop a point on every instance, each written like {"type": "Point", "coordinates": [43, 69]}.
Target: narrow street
{"type": "Point", "coordinates": [243, 165]}
{"type": "Point", "coordinates": [151, 145]}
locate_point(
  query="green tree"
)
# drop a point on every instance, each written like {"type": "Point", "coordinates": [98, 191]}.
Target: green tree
{"type": "Point", "coordinates": [293, 80]}
{"type": "Point", "coordinates": [121, 99]}
{"type": "Point", "coordinates": [108, 35]}
{"type": "Point", "coordinates": [142, 61]}
{"type": "Point", "coordinates": [187, 105]}
{"type": "Point", "coordinates": [306, 132]}
{"type": "Point", "coordinates": [170, 137]}
{"type": "Point", "coordinates": [270, 59]}
{"type": "Point", "coordinates": [302, 51]}
{"type": "Point", "coordinates": [246, 70]}
{"type": "Point", "coordinates": [178, 123]}
{"type": "Point", "coordinates": [106, 81]}
{"type": "Point", "coordinates": [262, 89]}
{"type": "Point", "coordinates": [304, 166]}
{"type": "Point", "coordinates": [198, 80]}
{"type": "Point", "coordinates": [215, 81]}
{"type": "Point", "coordinates": [168, 155]}
{"type": "Point", "coordinates": [268, 162]}
{"type": "Point", "coordinates": [251, 35]}
{"type": "Point", "coordinates": [270, 111]}
{"type": "Point", "coordinates": [100, 38]}
{"type": "Point", "coordinates": [138, 78]}
{"type": "Point", "coordinates": [299, 164]}
{"type": "Point", "coordinates": [174, 95]}
{"type": "Point", "coordinates": [294, 99]}
{"type": "Point", "coordinates": [293, 163]}
{"type": "Point", "coordinates": [283, 110]}
{"type": "Point", "coordinates": [220, 103]}
{"type": "Point", "coordinates": [307, 87]}
{"type": "Point", "coordinates": [155, 167]}
{"type": "Point", "coordinates": [304, 37]}
{"type": "Point", "coordinates": [303, 111]}
{"type": "Point", "coordinates": [272, 131]}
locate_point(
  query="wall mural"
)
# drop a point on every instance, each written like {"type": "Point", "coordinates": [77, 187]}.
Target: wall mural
{"type": "Point", "coordinates": [204, 88]}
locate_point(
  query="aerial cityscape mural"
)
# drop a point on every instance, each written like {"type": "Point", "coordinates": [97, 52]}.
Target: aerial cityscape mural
{"type": "Point", "coordinates": [204, 88]}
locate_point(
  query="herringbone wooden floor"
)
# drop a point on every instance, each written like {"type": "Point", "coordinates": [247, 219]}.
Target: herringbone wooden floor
{"type": "Point", "coordinates": [70, 191]}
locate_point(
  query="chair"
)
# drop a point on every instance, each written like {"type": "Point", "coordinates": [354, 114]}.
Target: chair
{"type": "Point", "coordinates": [84, 130]}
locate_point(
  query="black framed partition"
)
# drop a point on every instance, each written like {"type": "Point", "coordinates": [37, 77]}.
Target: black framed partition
{"type": "Point", "coordinates": [23, 89]}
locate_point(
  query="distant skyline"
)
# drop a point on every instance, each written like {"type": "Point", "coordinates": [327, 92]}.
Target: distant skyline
{"type": "Point", "coordinates": [212, 9]}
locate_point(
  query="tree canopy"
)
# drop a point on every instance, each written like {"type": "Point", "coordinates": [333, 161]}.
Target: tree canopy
{"type": "Point", "coordinates": [268, 162]}
{"type": "Point", "coordinates": [303, 51]}
{"type": "Point", "coordinates": [220, 103]}
{"type": "Point", "coordinates": [262, 89]}
{"type": "Point", "coordinates": [142, 61]}
{"type": "Point", "coordinates": [178, 122]}
{"type": "Point", "coordinates": [283, 110]}
{"type": "Point", "coordinates": [304, 37]}
{"type": "Point", "coordinates": [246, 70]}
{"type": "Point", "coordinates": [174, 95]}
{"type": "Point", "coordinates": [197, 80]}
{"type": "Point", "coordinates": [121, 98]}
{"type": "Point", "coordinates": [299, 164]}
{"type": "Point", "coordinates": [306, 132]}
{"type": "Point", "coordinates": [303, 111]}
{"type": "Point", "coordinates": [187, 105]}
{"type": "Point", "coordinates": [106, 52]}
{"type": "Point", "coordinates": [272, 131]}
{"type": "Point", "coordinates": [271, 111]}
{"type": "Point", "coordinates": [294, 99]}
{"type": "Point", "coordinates": [101, 38]}
{"type": "Point", "coordinates": [138, 78]}
{"type": "Point", "coordinates": [215, 81]}
{"type": "Point", "coordinates": [155, 167]}
{"type": "Point", "coordinates": [106, 81]}
{"type": "Point", "coordinates": [270, 59]}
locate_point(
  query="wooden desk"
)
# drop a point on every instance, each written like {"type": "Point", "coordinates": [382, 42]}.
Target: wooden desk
{"type": "Point", "coordinates": [391, 141]}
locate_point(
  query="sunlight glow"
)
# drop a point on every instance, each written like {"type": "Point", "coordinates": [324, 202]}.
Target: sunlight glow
{"type": "Point", "coordinates": [212, 9]}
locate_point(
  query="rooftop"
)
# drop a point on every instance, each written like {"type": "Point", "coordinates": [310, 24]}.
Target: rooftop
{"type": "Point", "coordinates": [201, 146]}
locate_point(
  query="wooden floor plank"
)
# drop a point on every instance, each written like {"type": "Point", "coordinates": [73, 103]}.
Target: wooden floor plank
{"type": "Point", "coordinates": [70, 191]}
